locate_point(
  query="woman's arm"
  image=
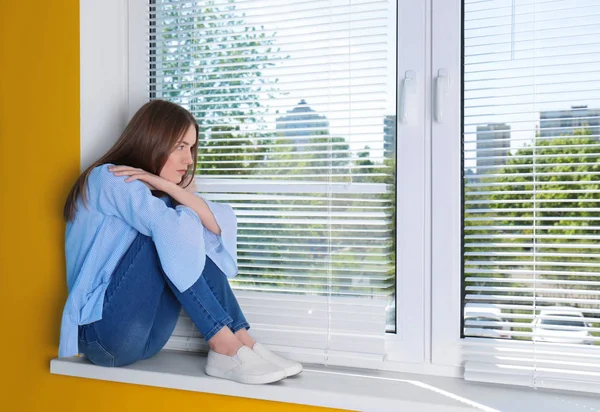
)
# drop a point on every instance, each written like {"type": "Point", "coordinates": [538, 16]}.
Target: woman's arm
{"type": "Point", "coordinates": [179, 194]}
{"type": "Point", "coordinates": [187, 198]}
{"type": "Point", "coordinates": [178, 233]}
{"type": "Point", "coordinates": [199, 206]}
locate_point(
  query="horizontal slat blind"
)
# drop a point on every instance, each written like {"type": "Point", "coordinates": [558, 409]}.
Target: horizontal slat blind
{"type": "Point", "coordinates": [532, 192]}
{"type": "Point", "coordinates": [291, 100]}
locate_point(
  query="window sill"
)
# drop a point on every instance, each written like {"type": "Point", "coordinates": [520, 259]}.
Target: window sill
{"type": "Point", "coordinates": [335, 387]}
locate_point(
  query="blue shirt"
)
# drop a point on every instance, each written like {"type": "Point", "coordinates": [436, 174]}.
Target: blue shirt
{"type": "Point", "coordinates": [100, 234]}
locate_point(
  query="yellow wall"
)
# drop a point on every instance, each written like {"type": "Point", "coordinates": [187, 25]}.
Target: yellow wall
{"type": "Point", "coordinates": [39, 149]}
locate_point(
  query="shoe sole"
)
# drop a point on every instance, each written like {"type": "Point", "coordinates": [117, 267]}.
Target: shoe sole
{"type": "Point", "coordinates": [293, 371]}
{"type": "Point", "coordinates": [248, 379]}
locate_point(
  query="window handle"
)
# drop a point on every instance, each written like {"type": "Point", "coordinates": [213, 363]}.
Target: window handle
{"type": "Point", "coordinates": [441, 90]}
{"type": "Point", "coordinates": [409, 87]}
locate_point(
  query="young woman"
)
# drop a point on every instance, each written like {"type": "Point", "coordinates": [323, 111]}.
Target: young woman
{"type": "Point", "coordinates": [140, 245]}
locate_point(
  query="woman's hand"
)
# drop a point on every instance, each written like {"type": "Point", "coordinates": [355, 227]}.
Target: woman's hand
{"type": "Point", "coordinates": [153, 181]}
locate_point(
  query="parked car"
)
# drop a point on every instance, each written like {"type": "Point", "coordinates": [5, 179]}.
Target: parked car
{"type": "Point", "coordinates": [476, 314]}
{"type": "Point", "coordinates": [561, 326]}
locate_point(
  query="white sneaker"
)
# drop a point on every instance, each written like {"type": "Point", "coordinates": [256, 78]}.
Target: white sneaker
{"type": "Point", "coordinates": [290, 367]}
{"type": "Point", "coordinates": [245, 367]}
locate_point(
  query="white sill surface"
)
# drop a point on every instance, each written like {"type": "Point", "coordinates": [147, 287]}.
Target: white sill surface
{"type": "Point", "coordinates": [335, 387]}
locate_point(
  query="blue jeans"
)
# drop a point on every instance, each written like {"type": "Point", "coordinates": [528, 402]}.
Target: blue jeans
{"type": "Point", "coordinates": [141, 308]}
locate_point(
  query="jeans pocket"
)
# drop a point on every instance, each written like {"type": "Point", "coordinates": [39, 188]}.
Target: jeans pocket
{"type": "Point", "coordinates": [96, 354]}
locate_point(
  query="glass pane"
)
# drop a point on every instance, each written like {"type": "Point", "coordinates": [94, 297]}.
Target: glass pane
{"type": "Point", "coordinates": [531, 151]}
{"type": "Point", "coordinates": [296, 101]}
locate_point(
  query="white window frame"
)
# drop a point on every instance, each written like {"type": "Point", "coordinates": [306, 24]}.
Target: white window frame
{"type": "Point", "coordinates": [446, 185]}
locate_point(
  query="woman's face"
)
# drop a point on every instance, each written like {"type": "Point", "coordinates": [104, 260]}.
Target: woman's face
{"type": "Point", "coordinates": [180, 158]}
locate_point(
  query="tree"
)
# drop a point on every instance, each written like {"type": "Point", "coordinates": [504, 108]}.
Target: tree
{"type": "Point", "coordinates": [209, 60]}
{"type": "Point", "coordinates": [556, 182]}
{"type": "Point", "coordinates": [567, 172]}
{"type": "Point", "coordinates": [325, 158]}
{"type": "Point", "coordinates": [363, 164]}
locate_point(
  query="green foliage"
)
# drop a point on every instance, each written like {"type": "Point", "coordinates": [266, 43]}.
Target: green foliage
{"type": "Point", "coordinates": [565, 173]}
{"type": "Point", "coordinates": [208, 60]}
{"type": "Point", "coordinates": [556, 184]}
{"type": "Point", "coordinates": [322, 158]}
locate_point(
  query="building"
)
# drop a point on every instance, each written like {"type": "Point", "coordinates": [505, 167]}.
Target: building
{"type": "Point", "coordinates": [564, 122]}
{"type": "Point", "coordinates": [389, 136]}
{"type": "Point", "coordinates": [302, 121]}
{"type": "Point", "coordinates": [493, 146]}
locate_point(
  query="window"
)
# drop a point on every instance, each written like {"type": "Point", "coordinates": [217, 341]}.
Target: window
{"type": "Point", "coordinates": [464, 235]}
{"type": "Point", "coordinates": [297, 110]}
{"type": "Point", "coordinates": [530, 185]}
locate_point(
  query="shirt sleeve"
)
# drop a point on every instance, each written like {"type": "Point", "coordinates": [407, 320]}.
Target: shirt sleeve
{"type": "Point", "coordinates": [177, 233]}
{"type": "Point", "coordinates": [223, 249]}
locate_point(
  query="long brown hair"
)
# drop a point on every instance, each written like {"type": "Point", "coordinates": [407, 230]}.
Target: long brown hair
{"type": "Point", "coordinates": [146, 142]}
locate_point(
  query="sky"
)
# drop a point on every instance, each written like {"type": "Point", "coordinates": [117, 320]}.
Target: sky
{"type": "Point", "coordinates": [341, 61]}
{"type": "Point", "coordinates": [521, 57]}
{"type": "Point", "coordinates": [526, 56]}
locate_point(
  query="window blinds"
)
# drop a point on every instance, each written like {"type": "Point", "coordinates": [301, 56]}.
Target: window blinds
{"type": "Point", "coordinates": [532, 192]}
{"type": "Point", "coordinates": [296, 106]}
